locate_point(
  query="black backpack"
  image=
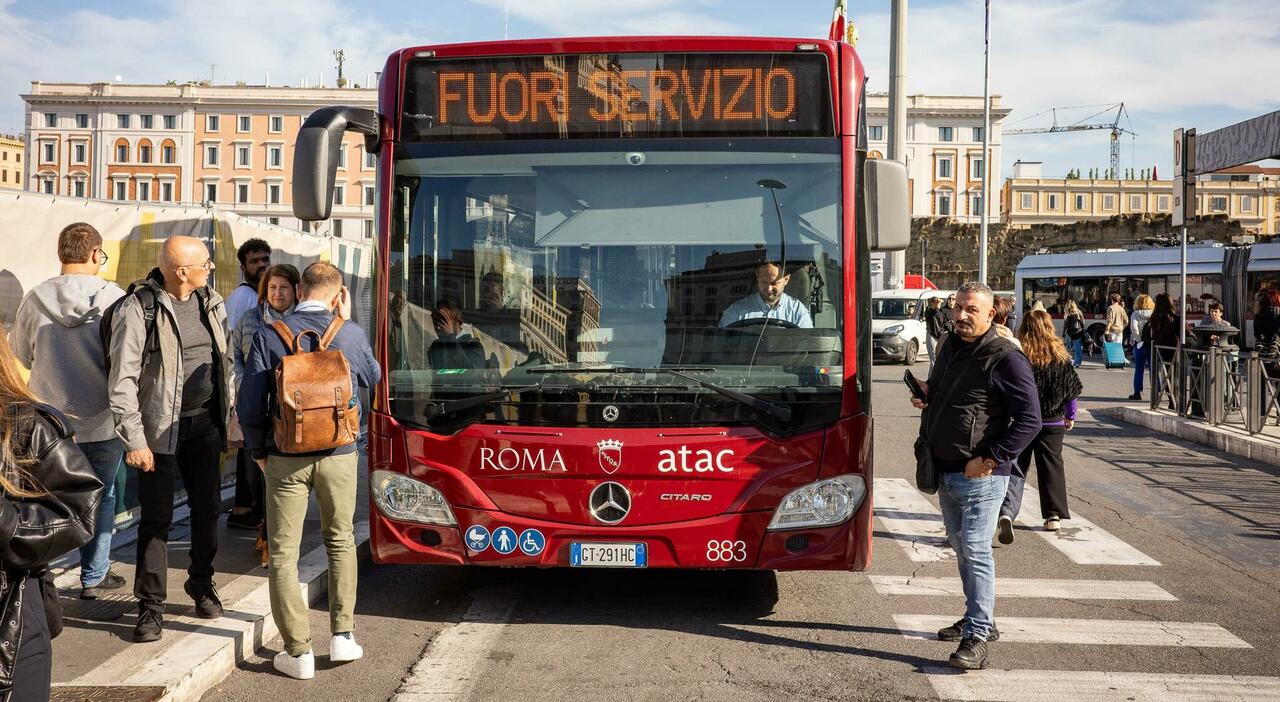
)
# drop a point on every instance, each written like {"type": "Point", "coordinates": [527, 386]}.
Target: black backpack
{"type": "Point", "coordinates": [147, 296]}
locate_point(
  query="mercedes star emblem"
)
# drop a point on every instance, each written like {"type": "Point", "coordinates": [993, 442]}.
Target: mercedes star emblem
{"type": "Point", "coordinates": [610, 413]}
{"type": "Point", "coordinates": [609, 503]}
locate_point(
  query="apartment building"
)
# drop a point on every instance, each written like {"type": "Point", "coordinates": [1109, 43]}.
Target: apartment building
{"type": "Point", "coordinates": [229, 147]}
{"type": "Point", "coordinates": [12, 152]}
{"type": "Point", "coordinates": [945, 164]}
{"type": "Point", "coordinates": [1249, 194]}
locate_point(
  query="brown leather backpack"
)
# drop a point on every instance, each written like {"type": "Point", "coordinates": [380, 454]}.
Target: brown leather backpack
{"type": "Point", "coordinates": [316, 407]}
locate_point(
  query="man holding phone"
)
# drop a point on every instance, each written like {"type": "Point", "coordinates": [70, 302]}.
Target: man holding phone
{"type": "Point", "coordinates": [981, 409]}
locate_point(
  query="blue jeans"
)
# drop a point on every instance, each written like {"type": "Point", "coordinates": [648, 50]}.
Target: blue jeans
{"type": "Point", "coordinates": [1141, 359]}
{"type": "Point", "coordinates": [95, 556]}
{"type": "Point", "coordinates": [1076, 347]}
{"type": "Point", "coordinates": [970, 509]}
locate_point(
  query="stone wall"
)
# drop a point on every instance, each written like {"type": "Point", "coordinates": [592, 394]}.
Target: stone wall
{"type": "Point", "coordinates": [952, 256]}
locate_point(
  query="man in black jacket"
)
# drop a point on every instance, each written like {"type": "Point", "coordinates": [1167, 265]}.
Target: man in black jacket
{"type": "Point", "coordinates": [982, 411]}
{"type": "Point", "coordinates": [935, 325]}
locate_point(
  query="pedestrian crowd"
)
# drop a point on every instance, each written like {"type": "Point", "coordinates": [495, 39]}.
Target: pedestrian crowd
{"type": "Point", "coordinates": [164, 377]}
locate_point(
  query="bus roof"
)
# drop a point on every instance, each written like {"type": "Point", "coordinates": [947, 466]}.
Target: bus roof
{"type": "Point", "coordinates": [1201, 258]}
{"type": "Point", "coordinates": [579, 45]}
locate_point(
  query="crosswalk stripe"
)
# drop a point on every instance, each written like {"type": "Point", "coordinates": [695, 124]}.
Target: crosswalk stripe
{"type": "Point", "coordinates": [1109, 632]}
{"type": "Point", "coordinates": [1080, 539]}
{"type": "Point", "coordinates": [1026, 587]}
{"type": "Point", "coordinates": [1070, 686]}
{"type": "Point", "coordinates": [911, 520]}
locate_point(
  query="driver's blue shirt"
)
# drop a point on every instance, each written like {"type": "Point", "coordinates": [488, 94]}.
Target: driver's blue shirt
{"type": "Point", "coordinates": [753, 306]}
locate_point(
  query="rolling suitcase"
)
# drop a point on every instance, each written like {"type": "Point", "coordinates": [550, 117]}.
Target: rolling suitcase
{"type": "Point", "coordinates": [1113, 354]}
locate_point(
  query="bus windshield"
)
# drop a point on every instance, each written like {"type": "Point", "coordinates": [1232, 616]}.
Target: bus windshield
{"type": "Point", "coordinates": [533, 272]}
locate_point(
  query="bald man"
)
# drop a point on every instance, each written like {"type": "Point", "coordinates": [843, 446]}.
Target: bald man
{"type": "Point", "coordinates": [170, 394]}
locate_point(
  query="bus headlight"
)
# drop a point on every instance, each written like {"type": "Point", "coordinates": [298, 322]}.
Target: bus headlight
{"type": "Point", "coordinates": [820, 504]}
{"type": "Point", "coordinates": [400, 497]}
{"type": "Point", "coordinates": [895, 329]}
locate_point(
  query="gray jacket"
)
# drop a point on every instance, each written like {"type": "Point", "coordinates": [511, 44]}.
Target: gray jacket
{"type": "Point", "coordinates": [242, 333]}
{"type": "Point", "coordinates": [55, 334]}
{"type": "Point", "coordinates": [146, 377]}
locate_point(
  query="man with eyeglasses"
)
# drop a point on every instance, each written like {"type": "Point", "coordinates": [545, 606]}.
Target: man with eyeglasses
{"type": "Point", "coordinates": [170, 382]}
{"type": "Point", "coordinates": [55, 334]}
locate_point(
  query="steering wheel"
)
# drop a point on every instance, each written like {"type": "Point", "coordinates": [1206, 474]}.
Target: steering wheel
{"type": "Point", "coordinates": [763, 321]}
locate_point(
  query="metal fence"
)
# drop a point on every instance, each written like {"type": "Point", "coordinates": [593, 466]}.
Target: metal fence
{"type": "Point", "coordinates": [1218, 386]}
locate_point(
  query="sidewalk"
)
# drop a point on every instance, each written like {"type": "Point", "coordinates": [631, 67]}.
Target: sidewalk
{"type": "Point", "coordinates": [95, 657]}
{"type": "Point", "coordinates": [1263, 447]}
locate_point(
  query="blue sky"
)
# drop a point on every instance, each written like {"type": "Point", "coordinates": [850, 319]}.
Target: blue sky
{"type": "Point", "coordinates": [1205, 63]}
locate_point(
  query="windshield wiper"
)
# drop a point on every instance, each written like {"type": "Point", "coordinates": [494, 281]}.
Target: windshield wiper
{"type": "Point", "coordinates": [774, 409]}
{"type": "Point", "coordinates": [465, 403]}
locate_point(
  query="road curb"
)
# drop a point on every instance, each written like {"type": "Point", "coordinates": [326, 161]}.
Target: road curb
{"type": "Point", "coordinates": [187, 670]}
{"type": "Point", "coordinates": [1228, 439]}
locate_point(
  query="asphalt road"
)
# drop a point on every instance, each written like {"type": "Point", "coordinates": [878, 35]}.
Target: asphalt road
{"type": "Point", "coordinates": [1186, 540]}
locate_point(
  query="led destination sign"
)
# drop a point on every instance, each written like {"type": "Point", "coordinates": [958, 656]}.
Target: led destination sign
{"type": "Point", "coordinates": [621, 95]}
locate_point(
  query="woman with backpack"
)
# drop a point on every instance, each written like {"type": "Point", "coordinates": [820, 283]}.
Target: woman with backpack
{"type": "Point", "coordinates": [1073, 330]}
{"type": "Point", "coordinates": [49, 497]}
{"type": "Point", "coordinates": [1058, 386]}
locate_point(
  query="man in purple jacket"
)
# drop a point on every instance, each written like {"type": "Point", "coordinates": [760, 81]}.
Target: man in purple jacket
{"type": "Point", "coordinates": [982, 411]}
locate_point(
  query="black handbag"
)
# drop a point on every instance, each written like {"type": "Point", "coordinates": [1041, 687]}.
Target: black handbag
{"type": "Point", "coordinates": [927, 476]}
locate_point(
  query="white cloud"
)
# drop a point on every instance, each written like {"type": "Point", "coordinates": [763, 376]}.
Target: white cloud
{"type": "Point", "coordinates": [290, 39]}
{"type": "Point", "coordinates": [618, 17]}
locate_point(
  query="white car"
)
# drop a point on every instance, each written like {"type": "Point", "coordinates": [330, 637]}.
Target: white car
{"type": "Point", "coordinates": [897, 323]}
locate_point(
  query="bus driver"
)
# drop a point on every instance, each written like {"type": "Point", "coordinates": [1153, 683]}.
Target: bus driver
{"type": "Point", "coordinates": [769, 300]}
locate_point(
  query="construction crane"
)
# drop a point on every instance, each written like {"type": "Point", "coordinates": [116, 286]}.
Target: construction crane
{"type": "Point", "coordinates": [1084, 125]}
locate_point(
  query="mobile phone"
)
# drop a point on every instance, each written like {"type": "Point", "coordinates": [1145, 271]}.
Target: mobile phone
{"type": "Point", "coordinates": [914, 385]}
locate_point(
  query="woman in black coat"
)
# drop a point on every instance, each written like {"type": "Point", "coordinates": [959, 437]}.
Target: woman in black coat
{"type": "Point", "coordinates": [49, 497]}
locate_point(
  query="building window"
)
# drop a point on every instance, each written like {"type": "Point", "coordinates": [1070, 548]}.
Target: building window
{"type": "Point", "coordinates": [1025, 201]}
{"type": "Point", "coordinates": [122, 153]}
{"type": "Point", "coordinates": [48, 186]}
{"type": "Point", "coordinates": [210, 192]}
{"type": "Point", "coordinates": [211, 155]}
{"type": "Point", "coordinates": [875, 132]}
{"type": "Point", "coordinates": [78, 188]}
{"type": "Point", "coordinates": [242, 156]}
{"type": "Point", "coordinates": [975, 204]}
{"type": "Point", "coordinates": [1135, 203]}
{"type": "Point", "coordinates": [122, 190]}
{"type": "Point", "coordinates": [144, 192]}
{"type": "Point", "coordinates": [946, 134]}
{"type": "Point", "coordinates": [342, 156]}
{"type": "Point", "coordinates": [273, 220]}
{"type": "Point", "coordinates": [277, 124]}
{"type": "Point", "coordinates": [1246, 203]}
{"type": "Point", "coordinates": [170, 121]}
{"type": "Point", "coordinates": [166, 191]}
{"type": "Point", "coordinates": [122, 121]}
{"type": "Point", "coordinates": [167, 154]}
{"type": "Point", "coordinates": [1108, 203]}
{"type": "Point", "coordinates": [242, 193]}
{"type": "Point", "coordinates": [975, 169]}
{"type": "Point", "coordinates": [51, 119]}
{"type": "Point", "coordinates": [944, 167]}
{"type": "Point", "coordinates": [243, 123]}
{"type": "Point", "coordinates": [977, 135]}
{"type": "Point", "coordinates": [275, 156]}
{"type": "Point", "coordinates": [337, 228]}
{"type": "Point", "coordinates": [211, 123]}
{"type": "Point", "coordinates": [339, 195]}
{"type": "Point", "coordinates": [147, 121]}
{"type": "Point", "coordinates": [1162, 203]}
{"type": "Point", "coordinates": [370, 160]}
{"type": "Point", "coordinates": [273, 193]}
{"type": "Point", "coordinates": [1079, 203]}
{"type": "Point", "coordinates": [79, 153]}
{"type": "Point", "coordinates": [48, 152]}
{"type": "Point", "coordinates": [944, 203]}
{"type": "Point", "coordinates": [911, 132]}
{"type": "Point", "coordinates": [366, 228]}
{"type": "Point", "coordinates": [1217, 204]}
{"type": "Point", "coordinates": [1053, 202]}
{"type": "Point", "coordinates": [144, 154]}
{"type": "Point", "coordinates": [82, 121]}
{"type": "Point", "coordinates": [368, 195]}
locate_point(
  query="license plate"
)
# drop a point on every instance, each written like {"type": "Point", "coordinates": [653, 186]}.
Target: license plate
{"type": "Point", "coordinates": [608, 555]}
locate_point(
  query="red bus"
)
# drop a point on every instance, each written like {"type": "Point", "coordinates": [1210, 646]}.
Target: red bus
{"type": "Point", "coordinates": [621, 301]}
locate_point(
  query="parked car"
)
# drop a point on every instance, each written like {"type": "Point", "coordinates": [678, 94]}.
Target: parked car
{"type": "Point", "coordinates": [897, 324]}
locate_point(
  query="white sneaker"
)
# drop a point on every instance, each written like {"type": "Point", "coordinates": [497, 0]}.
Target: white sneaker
{"type": "Point", "coordinates": [1052, 524]}
{"type": "Point", "coordinates": [300, 667]}
{"type": "Point", "coordinates": [343, 648]}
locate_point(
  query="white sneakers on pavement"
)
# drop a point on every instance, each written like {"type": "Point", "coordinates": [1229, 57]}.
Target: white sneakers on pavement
{"type": "Point", "coordinates": [298, 667]}
{"type": "Point", "coordinates": [1052, 524]}
{"type": "Point", "coordinates": [343, 648]}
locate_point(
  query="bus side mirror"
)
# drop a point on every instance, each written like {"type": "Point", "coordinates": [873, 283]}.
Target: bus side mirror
{"type": "Point", "coordinates": [888, 215]}
{"type": "Point", "coordinates": [316, 152]}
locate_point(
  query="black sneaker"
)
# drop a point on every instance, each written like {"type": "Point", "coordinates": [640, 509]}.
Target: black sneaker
{"type": "Point", "coordinates": [150, 626]}
{"type": "Point", "coordinates": [972, 654]}
{"type": "Point", "coordinates": [205, 595]}
{"type": "Point", "coordinates": [955, 632]}
{"type": "Point", "coordinates": [248, 521]}
{"type": "Point", "coordinates": [1004, 531]}
{"type": "Point", "coordinates": [110, 582]}
{"type": "Point", "coordinates": [1136, 396]}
